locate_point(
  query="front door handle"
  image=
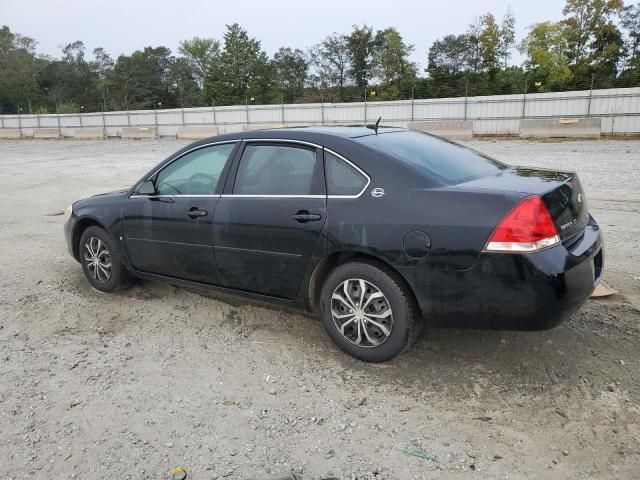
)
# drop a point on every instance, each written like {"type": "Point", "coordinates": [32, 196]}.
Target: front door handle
{"type": "Point", "coordinates": [303, 216]}
{"type": "Point", "coordinates": [195, 212]}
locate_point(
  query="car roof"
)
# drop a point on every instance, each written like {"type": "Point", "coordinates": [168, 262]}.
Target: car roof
{"type": "Point", "coordinates": [315, 134]}
{"type": "Point", "coordinates": [340, 139]}
{"type": "Point", "coordinates": [349, 131]}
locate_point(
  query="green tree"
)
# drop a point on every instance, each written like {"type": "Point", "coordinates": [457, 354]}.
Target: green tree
{"type": "Point", "coordinates": [391, 63]}
{"type": "Point", "coordinates": [183, 83]}
{"type": "Point", "coordinates": [630, 21]}
{"type": "Point", "coordinates": [490, 41]}
{"type": "Point", "coordinates": [451, 56]}
{"type": "Point", "coordinates": [594, 42]}
{"type": "Point", "coordinates": [19, 69]}
{"type": "Point", "coordinates": [546, 46]}
{"type": "Point", "coordinates": [361, 43]}
{"type": "Point", "coordinates": [607, 51]}
{"type": "Point", "coordinates": [451, 62]}
{"type": "Point", "coordinates": [507, 36]}
{"type": "Point", "coordinates": [475, 45]}
{"type": "Point", "coordinates": [291, 73]}
{"type": "Point", "coordinates": [72, 79]}
{"type": "Point", "coordinates": [143, 78]}
{"type": "Point", "coordinates": [330, 60]}
{"type": "Point", "coordinates": [242, 71]}
{"type": "Point", "coordinates": [202, 54]}
{"type": "Point", "coordinates": [102, 65]}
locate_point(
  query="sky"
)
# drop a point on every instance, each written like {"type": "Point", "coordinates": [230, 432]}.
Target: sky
{"type": "Point", "coordinates": [124, 26]}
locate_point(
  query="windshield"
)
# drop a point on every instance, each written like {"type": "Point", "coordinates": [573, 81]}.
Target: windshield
{"type": "Point", "coordinates": [445, 162]}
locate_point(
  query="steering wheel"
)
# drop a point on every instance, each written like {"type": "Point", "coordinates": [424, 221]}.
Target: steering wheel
{"type": "Point", "coordinates": [208, 179]}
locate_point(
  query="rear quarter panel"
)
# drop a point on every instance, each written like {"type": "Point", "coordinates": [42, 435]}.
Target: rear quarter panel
{"type": "Point", "coordinates": [457, 222]}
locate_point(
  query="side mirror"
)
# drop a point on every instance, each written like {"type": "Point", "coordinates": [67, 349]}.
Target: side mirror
{"type": "Point", "coordinates": [147, 188]}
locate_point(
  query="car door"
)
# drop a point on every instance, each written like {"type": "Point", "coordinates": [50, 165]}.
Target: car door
{"type": "Point", "coordinates": [270, 217]}
{"type": "Point", "coordinates": [170, 231]}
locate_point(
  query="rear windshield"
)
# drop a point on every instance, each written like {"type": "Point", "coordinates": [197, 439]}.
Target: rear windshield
{"type": "Point", "coordinates": [445, 162]}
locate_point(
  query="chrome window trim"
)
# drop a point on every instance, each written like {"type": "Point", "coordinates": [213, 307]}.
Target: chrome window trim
{"type": "Point", "coordinates": [310, 144]}
{"type": "Point", "coordinates": [242, 195]}
{"type": "Point", "coordinates": [282, 140]}
{"type": "Point", "coordinates": [171, 196]}
{"type": "Point", "coordinates": [358, 169]}
{"type": "Point", "coordinates": [276, 140]}
{"type": "Point", "coordinates": [155, 172]}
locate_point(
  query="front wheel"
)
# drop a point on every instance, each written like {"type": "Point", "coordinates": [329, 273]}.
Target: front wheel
{"type": "Point", "coordinates": [367, 312]}
{"type": "Point", "coordinates": [101, 261]}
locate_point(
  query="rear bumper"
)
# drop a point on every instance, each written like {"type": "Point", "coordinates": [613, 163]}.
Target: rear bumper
{"type": "Point", "coordinates": [517, 291]}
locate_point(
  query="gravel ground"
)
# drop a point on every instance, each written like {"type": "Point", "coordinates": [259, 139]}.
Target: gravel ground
{"type": "Point", "coordinates": [134, 384]}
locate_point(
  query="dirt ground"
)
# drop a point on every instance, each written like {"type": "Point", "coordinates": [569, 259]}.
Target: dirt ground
{"type": "Point", "coordinates": [134, 384]}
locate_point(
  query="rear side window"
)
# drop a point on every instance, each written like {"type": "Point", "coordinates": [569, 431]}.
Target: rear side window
{"type": "Point", "coordinates": [444, 162]}
{"type": "Point", "coordinates": [275, 170]}
{"type": "Point", "coordinates": [195, 173]}
{"type": "Point", "coordinates": [342, 178]}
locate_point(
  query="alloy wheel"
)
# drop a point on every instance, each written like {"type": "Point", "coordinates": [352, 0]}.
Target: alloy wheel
{"type": "Point", "coordinates": [361, 313]}
{"type": "Point", "coordinates": [97, 259]}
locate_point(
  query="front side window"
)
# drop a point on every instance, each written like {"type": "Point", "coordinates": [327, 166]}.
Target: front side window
{"type": "Point", "coordinates": [196, 173]}
{"type": "Point", "coordinates": [342, 178]}
{"type": "Point", "coordinates": [276, 170]}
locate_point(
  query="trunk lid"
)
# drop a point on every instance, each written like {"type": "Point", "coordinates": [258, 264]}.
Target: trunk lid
{"type": "Point", "coordinates": [561, 192]}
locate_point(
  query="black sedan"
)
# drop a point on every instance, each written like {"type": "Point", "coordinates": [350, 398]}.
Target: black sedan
{"type": "Point", "coordinates": [378, 231]}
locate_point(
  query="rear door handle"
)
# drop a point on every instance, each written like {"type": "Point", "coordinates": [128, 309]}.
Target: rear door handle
{"type": "Point", "coordinates": [196, 213]}
{"type": "Point", "coordinates": [303, 216]}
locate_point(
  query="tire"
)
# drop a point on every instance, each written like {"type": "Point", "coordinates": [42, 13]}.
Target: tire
{"type": "Point", "coordinates": [109, 274]}
{"type": "Point", "coordinates": [385, 297]}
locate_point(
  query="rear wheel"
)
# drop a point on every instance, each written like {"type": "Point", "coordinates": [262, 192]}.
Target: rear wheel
{"type": "Point", "coordinates": [367, 312]}
{"type": "Point", "coordinates": [101, 261]}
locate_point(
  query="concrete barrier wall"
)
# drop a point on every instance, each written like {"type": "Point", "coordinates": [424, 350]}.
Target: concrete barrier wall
{"type": "Point", "coordinates": [8, 133]}
{"type": "Point", "coordinates": [88, 133]}
{"type": "Point", "coordinates": [618, 110]}
{"type": "Point", "coordinates": [449, 129]}
{"type": "Point", "coordinates": [561, 128]}
{"type": "Point", "coordinates": [196, 132]}
{"type": "Point", "coordinates": [46, 133]}
{"type": "Point", "coordinates": [139, 132]}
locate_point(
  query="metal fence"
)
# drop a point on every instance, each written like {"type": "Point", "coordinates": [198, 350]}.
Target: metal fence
{"type": "Point", "coordinates": [618, 108]}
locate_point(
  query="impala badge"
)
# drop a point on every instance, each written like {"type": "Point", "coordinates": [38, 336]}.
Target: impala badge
{"type": "Point", "coordinates": [377, 192]}
{"type": "Point", "coordinates": [579, 198]}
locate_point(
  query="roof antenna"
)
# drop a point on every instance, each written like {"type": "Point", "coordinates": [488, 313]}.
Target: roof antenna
{"type": "Point", "coordinates": [375, 127]}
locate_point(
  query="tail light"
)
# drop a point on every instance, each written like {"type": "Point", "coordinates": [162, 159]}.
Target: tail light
{"type": "Point", "coordinates": [528, 227]}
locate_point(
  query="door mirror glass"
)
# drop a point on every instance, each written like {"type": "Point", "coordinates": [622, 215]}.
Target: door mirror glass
{"type": "Point", "coordinates": [147, 188]}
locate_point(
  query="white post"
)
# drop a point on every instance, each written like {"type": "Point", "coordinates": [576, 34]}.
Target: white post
{"type": "Point", "coordinates": [412, 104]}
{"type": "Point", "coordinates": [590, 95]}
{"type": "Point", "coordinates": [155, 114]}
{"type": "Point", "coordinates": [365, 105]}
{"type": "Point", "coordinates": [58, 116]}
